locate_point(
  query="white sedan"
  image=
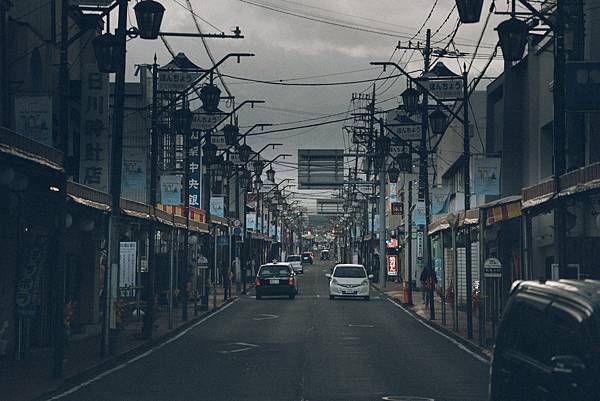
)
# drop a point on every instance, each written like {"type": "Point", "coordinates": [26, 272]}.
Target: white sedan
{"type": "Point", "coordinates": [349, 281]}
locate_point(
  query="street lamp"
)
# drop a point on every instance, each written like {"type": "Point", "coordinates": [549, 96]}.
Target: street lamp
{"type": "Point", "coordinates": [244, 152]}
{"type": "Point", "coordinates": [106, 52]}
{"type": "Point", "coordinates": [183, 119]}
{"type": "Point", "coordinates": [513, 38]}
{"type": "Point", "coordinates": [469, 11]}
{"type": "Point", "coordinates": [271, 174]}
{"type": "Point", "coordinates": [209, 150]}
{"type": "Point", "coordinates": [231, 133]}
{"type": "Point", "coordinates": [410, 99]}
{"type": "Point", "coordinates": [258, 184]}
{"type": "Point", "coordinates": [438, 121]}
{"type": "Point", "coordinates": [210, 96]}
{"type": "Point", "coordinates": [258, 167]}
{"type": "Point", "coordinates": [149, 15]}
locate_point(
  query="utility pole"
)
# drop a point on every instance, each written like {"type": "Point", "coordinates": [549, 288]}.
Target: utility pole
{"type": "Point", "coordinates": [382, 206]}
{"type": "Point", "coordinates": [423, 175]}
{"type": "Point", "coordinates": [409, 241]}
{"type": "Point", "coordinates": [149, 285]}
{"type": "Point", "coordinates": [560, 227]}
{"type": "Point", "coordinates": [467, 185]}
{"type": "Point", "coordinates": [4, 99]}
{"type": "Point", "coordinates": [116, 167]}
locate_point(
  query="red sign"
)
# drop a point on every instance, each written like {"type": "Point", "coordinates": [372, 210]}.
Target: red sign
{"type": "Point", "coordinates": [392, 265]}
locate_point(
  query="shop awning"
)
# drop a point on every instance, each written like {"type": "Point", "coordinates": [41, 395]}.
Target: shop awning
{"type": "Point", "coordinates": [472, 217]}
{"type": "Point", "coordinates": [20, 146]}
{"type": "Point", "coordinates": [219, 220]}
{"type": "Point", "coordinates": [136, 209]}
{"type": "Point", "coordinates": [89, 203]}
{"type": "Point", "coordinates": [502, 209]}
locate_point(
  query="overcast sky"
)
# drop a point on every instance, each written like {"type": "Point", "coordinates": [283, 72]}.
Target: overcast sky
{"type": "Point", "coordinates": [287, 46]}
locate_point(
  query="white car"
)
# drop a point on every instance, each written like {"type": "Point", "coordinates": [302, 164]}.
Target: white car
{"type": "Point", "coordinates": [349, 281]}
{"type": "Point", "coordinates": [296, 262]}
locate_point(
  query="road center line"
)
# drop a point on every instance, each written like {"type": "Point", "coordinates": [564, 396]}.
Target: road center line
{"type": "Point", "coordinates": [134, 359]}
{"type": "Point", "coordinates": [453, 341]}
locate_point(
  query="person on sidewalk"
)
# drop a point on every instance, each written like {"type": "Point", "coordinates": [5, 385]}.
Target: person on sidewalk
{"type": "Point", "coordinates": [428, 280]}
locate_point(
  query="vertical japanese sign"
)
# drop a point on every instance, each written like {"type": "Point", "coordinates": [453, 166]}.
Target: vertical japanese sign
{"type": "Point", "coordinates": [94, 148]}
{"type": "Point", "coordinates": [195, 170]}
{"type": "Point", "coordinates": [127, 270]}
{"type": "Point", "coordinates": [392, 265]}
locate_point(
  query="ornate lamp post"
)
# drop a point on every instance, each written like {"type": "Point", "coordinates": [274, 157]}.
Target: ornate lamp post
{"type": "Point", "coordinates": [149, 15]}
{"type": "Point", "coordinates": [469, 11]}
{"type": "Point", "coordinates": [513, 35]}
{"type": "Point", "coordinates": [410, 99]}
{"type": "Point", "coordinates": [231, 133]}
{"type": "Point", "coordinates": [210, 96]}
{"type": "Point", "coordinates": [271, 174]}
{"type": "Point", "coordinates": [439, 121]}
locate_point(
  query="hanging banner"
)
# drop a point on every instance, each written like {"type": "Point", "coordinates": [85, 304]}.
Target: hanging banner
{"type": "Point", "coordinates": [195, 170]}
{"type": "Point", "coordinates": [127, 267]}
{"type": "Point", "coordinates": [170, 190]}
{"type": "Point", "coordinates": [392, 196]}
{"type": "Point", "coordinates": [251, 221]}
{"type": "Point", "coordinates": [486, 172]}
{"type": "Point", "coordinates": [33, 117]}
{"type": "Point", "coordinates": [133, 174]}
{"type": "Point", "coordinates": [418, 217]}
{"type": "Point", "coordinates": [392, 265]}
{"type": "Point", "coordinates": [439, 200]}
{"type": "Point", "coordinates": [217, 206]}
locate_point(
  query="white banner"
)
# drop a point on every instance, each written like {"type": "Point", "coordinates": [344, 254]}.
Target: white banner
{"type": "Point", "coordinates": [486, 175]}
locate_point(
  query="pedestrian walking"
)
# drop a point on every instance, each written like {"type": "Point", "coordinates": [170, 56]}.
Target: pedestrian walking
{"type": "Point", "coordinates": [428, 280]}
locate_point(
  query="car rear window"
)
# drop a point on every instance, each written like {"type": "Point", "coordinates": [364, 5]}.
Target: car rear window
{"type": "Point", "coordinates": [293, 259]}
{"type": "Point", "coordinates": [349, 272]}
{"type": "Point", "coordinates": [274, 271]}
{"type": "Point", "coordinates": [306, 254]}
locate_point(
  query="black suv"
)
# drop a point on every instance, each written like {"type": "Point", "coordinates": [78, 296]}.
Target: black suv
{"type": "Point", "coordinates": [548, 343]}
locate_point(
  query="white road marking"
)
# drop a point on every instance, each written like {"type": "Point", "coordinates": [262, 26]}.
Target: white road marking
{"type": "Point", "coordinates": [265, 316]}
{"type": "Point", "coordinates": [350, 338]}
{"type": "Point", "coordinates": [365, 326]}
{"type": "Point", "coordinates": [145, 354]}
{"type": "Point", "coordinates": [241, 348]}
{"type": "Point", "coordinates": [452, 340]}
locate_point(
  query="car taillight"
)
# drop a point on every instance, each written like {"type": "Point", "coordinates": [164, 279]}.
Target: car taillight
{"type": "Point", "coordinates": [291, 281]}
{"type": "Point", "coordinates": [257, 283]}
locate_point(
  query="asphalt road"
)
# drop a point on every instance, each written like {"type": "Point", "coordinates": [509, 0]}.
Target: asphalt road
{"type": "Point", "coordinates": [307, 349]}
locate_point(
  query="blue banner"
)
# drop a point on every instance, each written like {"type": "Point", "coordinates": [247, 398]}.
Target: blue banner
{"type": "Point", "coordinates": [170, 190]}
{"type": "Point", "coordinates": [418, 217]}
{"type": "Point", "coordinates": [439, 200]}
{"type": "Point", "coordinates": [486, 176]}
{"type": "Point", "coordinates": [195, 170]}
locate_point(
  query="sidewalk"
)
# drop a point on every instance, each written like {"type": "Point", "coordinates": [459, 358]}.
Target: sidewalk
{"type": "Point", "coordinates": [32, 378]}
{"type": "Point", "coordinates": [396, 291]}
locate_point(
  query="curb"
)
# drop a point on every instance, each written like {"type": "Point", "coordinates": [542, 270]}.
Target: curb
{"type": "Point", "coordinates": [115, 360]}
{"type": "Point", "coordinates": [436, 326]}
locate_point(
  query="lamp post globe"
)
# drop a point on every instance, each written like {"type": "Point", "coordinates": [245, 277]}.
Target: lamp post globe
{"type": "Point", "coordinates": [209, 151]}
{"type": "Point", "coordinates": [438, 121]}
{"type": "Point", "coordinates": [410, 100]}
{"type": "Point", "coordinates": [258, 167]}
{"type": "Point", "coordinates": [244, 152]}
{"type": "Point", "coordinates": [183, 119]}
{"type": "Point", "coordinates": [210, 96]}
{"type": "Point", "coordinates": [105, 49]}
{"type": "Point", "coordinates": [149, 15]}
{"type": "Point", "coordinates": [469, 11]}
{"type": "Point", "coordinates": [393, 173]}
{"type": "Point", "coordinates": [271, 174]}
{"type": "Point", "coordinates": [513, 38]}
{"type": "Point", "coordinates": [231, 133]}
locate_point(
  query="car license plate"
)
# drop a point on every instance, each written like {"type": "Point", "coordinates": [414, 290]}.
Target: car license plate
{"type": "Point", "coordinates": [274, 281]}
{"type": "Point", "coordinates": [350, 292]}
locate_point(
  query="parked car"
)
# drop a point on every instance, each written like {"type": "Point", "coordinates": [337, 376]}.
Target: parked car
{"type": "Point", "coordinates": [276, 279]}
{"type": "Point", "coordinates": [307, 257]}
{"type": "Point", "coordinates": [548, 343]}
{"type": "Point", "coordinates": [325, 254]}
{"type": "Point", "coordinates": [349, 281]}
{"type": "Point", "coordinates": [296, 262]}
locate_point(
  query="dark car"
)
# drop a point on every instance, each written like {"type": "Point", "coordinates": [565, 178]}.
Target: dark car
{"type": "Point", "coordinates": [548, 343]}
{"type": "Point", "coordinates": [325, 254]}
{"type": "Point", "coordinates": [276, 279]}
{"type": "Point", "coordinates": [307, 257]}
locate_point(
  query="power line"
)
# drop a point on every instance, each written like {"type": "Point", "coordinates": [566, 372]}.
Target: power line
{"type": "Point", "coordinates": [278, 82]}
